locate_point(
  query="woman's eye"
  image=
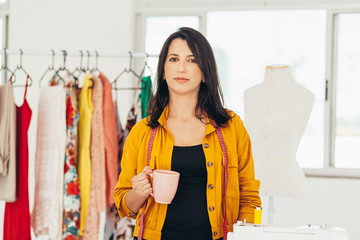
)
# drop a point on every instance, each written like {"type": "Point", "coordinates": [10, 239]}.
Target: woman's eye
{"type": "Point", "coordinates": [173, 59]}
{"type": "Point", "coordinates": [193, 60]}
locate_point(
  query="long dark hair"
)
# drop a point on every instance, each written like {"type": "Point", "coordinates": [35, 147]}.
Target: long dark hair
{"type": "Point", "coordinates": [210, 98]}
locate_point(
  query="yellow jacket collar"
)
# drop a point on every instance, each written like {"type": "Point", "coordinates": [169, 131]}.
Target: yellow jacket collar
{"type": "Point", "coordinates": [162, 119]}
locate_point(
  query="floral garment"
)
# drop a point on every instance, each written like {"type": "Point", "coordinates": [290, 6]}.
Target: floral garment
{"type": "Point", "coordinates": [71, 214]}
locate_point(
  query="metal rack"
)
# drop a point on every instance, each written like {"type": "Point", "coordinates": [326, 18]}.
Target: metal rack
{"type": "Point", "coordinates": [74, 54]}
{"type": "Point", "coordinates": [6, 52]}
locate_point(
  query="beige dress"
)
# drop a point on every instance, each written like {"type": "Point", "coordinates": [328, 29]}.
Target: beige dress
{"type": "Point", "coordinates": [7, 144]}
{"type": "Point", "coordinates": [47, 214]}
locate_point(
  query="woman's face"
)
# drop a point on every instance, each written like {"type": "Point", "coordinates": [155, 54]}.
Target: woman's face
{"type": "Point", "coordinates": [181, 71]}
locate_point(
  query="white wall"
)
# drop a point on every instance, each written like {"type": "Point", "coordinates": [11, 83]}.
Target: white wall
{"type": "Point", "coordinates": [41, 25]}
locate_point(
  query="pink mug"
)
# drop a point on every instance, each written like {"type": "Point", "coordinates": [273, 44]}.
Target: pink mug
{"type": "Point", "coordinates": [164, 185]}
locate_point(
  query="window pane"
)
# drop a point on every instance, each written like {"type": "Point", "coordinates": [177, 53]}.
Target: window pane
{"type": "Point", "coordinates": [245, 42]}
{"type": "Point", "coordinates": [158, 28]}
{"type": "Point", "coordinates": [347, 141]}
{"type": "Point", "coordinates": [1, 56]}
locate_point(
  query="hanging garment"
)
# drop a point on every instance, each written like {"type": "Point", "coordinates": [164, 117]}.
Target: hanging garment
{"type": "Point", "coordinates": [7, 144]}
{"type": "Point", "coordinates": [71, 212]}
{"type": "Point", "coordinates": [17, 214]}
{"type": "Point", "coordinates": [111, 147]}
{"type": "Point", "coordinates": [124, 227]}
{"type": "Point", "coordinates": [47, 214]}
{"type": "Point", "coordinates": [84, 164]}
{"type": "Point", "coordinates": [120, 138]}
{"type": "Point", "coordinates": [110, 231]}
{"type": "Point", "coordinates": [112, 214]}
{"type": "Point", "coordinates": [131, 120]}
{"type": "Point", "coordinates": [97, 202]}
{"type": "Point", "coordinates": [118, 228]}
{"type": "Point", "coordinates": [145, 95]}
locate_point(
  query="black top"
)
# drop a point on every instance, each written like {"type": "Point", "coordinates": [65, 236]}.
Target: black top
{"type": "Point", "coordinates": [187, 216]}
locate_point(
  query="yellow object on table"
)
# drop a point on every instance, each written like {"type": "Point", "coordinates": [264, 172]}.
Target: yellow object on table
{"type": "Point", "coordinates": [257, 216]}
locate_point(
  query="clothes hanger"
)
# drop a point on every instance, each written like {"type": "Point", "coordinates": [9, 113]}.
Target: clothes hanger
{"type": "Point", "coordinates": [88, 70]}
{"type": "Point", "coordinates": [143, 71]}
{"type": "Point", "coordinates": [4, 67]}
{"type": "Point", "coordinates": [96, 68]}
{"type": "Point", "coordinates": [136, 93]}
{"type": "Point", "coordinates": [63, 68]}
{"type": "Point", "coordinates": [51, 68]}
{"type": "Point", "coordinates": [78, 70]}
{"type": "Point", "coordinates": [82, 70]}
{"type": "Point", "coordinates": [126, 70]}
{"type": "Point", "coordinates": [20, 67]}
{"type": "Point", "coordinates": [146, 66]}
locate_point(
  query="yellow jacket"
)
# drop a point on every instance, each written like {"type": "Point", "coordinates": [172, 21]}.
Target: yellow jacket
{"type": "Point", "coordinates": [242, 195]}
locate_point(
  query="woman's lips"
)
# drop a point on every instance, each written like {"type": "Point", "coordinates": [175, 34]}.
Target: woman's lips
{"type": "Point", "coordinates": [181, 79]}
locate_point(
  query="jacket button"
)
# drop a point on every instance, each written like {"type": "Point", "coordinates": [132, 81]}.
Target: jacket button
{"type": "Point", "coordinates": [211, 186]}
{"type": "Point", "coordinates": [211, 208]}
{"type": "Point", "coordinates": [215, 233]}
{"type": "Point", "coordinates": [210, 164]}
{"type": "Point", "coordinates": [206, 145]}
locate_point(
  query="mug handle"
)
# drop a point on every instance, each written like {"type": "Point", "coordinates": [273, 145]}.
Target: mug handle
{"type": "Point", "coordinates": [152, 176]}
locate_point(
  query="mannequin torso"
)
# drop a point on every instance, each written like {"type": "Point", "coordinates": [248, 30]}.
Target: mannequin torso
{"type": "Point", "coordinates": [276, 114]}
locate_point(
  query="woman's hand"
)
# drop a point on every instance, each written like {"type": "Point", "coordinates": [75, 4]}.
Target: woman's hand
{"type": "Point", "coordinates": [141, 189]}
{"type": "Point", "coordinates": [141, 184]}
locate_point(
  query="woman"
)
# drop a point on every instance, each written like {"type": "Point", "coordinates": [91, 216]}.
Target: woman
{"type": "Point", "coordinates": [185, 111]}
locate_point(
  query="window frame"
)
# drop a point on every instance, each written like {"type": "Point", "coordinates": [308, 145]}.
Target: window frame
{"type": "Point", "coordinates": [4, 16]}
{"type": "Point", "coordinates": [333, 8]}
{"type": "Point", "coordinates": [141, 24]}
{"type": "Point", "coordinates": [329, 169]}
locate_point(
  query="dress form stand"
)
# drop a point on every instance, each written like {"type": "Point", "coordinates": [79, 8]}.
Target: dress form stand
{"type": "Point", "coordinates": [276, 114]}
{"type": "Point", "coordinates": [271, 210]}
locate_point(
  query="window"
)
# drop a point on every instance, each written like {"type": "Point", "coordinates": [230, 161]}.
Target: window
{"type": "Point", "coordinates": [293, 37]}
{"type": "Point", "coordinates": [321, 47]}
{"type": "Point", "coordinates": [158, 28]}
{"type": "Point", "coordinates": [3, 74]}
{"type": "Point", "coordinates": [2, 32]}
{"type": "Point", "coordinates": [347, 140]}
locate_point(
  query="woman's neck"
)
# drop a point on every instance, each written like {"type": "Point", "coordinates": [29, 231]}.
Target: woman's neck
{"type": "Point", "coordinates": [182, 107]}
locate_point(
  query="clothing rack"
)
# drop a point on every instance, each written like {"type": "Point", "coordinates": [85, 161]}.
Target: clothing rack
{"type": "Point", "coordinates": [6, 52]}
{"type": "Point", "coordinates": [75, 54]}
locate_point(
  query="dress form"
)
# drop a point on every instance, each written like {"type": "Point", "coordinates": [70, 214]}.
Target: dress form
{"type": "Point", "coordinates": [276, 114]}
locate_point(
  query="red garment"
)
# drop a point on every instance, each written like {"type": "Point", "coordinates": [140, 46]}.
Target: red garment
{"type": "Point", "coordinates": [17, 214]}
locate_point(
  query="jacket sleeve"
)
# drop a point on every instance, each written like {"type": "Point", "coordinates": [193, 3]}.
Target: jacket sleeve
{"type": "Point", "coordinates": [129, 170]}
{"type": "Point", "coordinates": [249, 186]}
